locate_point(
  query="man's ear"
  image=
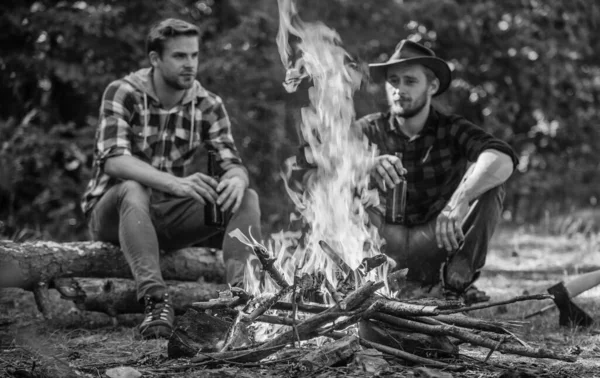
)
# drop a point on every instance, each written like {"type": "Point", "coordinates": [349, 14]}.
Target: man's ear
{"type": "Point", "coordinates": [434, 86]}
{"type": "Point", "coordinates": [154, 57]}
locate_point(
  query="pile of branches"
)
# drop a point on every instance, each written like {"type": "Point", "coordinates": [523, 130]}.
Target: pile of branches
{"type": "Point", "coordinates": [360, 304]}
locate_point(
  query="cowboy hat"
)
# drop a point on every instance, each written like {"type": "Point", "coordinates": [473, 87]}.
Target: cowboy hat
{"type": "Point", "coordinates": [411, 52]}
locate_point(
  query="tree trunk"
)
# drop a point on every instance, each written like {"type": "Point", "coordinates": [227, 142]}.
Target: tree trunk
{"type": "Point", "coordinates": [25, 265]}
{"type": "Point", "coordinates": [115, 296]}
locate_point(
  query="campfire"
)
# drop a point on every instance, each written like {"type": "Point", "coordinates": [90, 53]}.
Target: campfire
{"type": "Point", "coordinates": [331, 285]}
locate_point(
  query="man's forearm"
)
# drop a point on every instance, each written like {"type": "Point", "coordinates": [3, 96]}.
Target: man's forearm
{"type": "Point", "coordinates": [491, 169]}
{"type": "Point", "coordinates": [127, 167]}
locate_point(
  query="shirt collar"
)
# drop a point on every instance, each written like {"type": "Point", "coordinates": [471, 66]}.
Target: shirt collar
{"type": "Point", "coordinates": [430, 124]}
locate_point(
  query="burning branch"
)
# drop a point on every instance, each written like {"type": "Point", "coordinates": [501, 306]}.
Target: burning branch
{"type": "Point", "coordinates": [268, 264]}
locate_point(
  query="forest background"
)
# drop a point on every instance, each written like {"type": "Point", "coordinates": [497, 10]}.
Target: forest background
{"type": "Point", "coordinates": [527, 71]}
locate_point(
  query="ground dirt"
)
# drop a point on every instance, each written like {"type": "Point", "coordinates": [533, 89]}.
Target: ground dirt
{"type": "Point", "coordinates": [519, 262]}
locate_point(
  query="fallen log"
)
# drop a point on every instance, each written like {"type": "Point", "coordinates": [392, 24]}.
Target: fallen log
{"type": "Point", "coordinates": [115, 296]}
{"type": "Point", "coordinates": [25, 265]}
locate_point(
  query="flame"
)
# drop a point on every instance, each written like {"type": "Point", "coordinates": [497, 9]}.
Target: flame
{"type": "Point", "coordinates": [332, 203]}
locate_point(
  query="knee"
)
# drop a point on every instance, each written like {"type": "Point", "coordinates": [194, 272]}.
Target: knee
{"type": "Point", "coordinates": [494, 196]}
{"type": "Point", "coordinates": [251, 200]}
{"type": "Point", "coordinates": [133, 193]}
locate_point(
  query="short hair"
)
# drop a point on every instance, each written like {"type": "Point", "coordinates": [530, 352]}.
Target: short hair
{"type": "Point", "coordinates": [168, 28]}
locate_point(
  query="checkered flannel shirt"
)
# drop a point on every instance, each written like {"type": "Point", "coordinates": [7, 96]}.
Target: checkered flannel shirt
{"type": "Point", "coordinates": [166, 144]}
{"type": "Point", "coordinates": [436, 160]}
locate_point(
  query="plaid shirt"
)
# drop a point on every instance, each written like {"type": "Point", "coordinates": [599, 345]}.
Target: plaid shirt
{"type": "Point", "coordinates": [436, 159]}
{"type": "Point", "coordinates": [133, 123]}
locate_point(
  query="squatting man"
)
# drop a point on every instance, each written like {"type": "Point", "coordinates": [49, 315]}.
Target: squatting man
{"type": "Point", "coordinates": [453, 172]}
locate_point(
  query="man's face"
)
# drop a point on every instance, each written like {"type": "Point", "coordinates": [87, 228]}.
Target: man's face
{"type": "Point", "coordinates": [178, 63]}
{"type": "Point", "coordinates": [408, 90]}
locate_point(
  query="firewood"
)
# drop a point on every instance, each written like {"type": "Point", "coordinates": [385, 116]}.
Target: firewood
{"type": "Point", "coordinates": [24, 265]}
{"type": "Point", "coordinates": [279, 320]}
{"type": "Point", "coordinates": [475, 323]}
{"type": "Point", "coordinates": [420, 344]}
{"type": "Point", "coordinates": [506, 336]}
{"type": "Point", "coordinates": [196, 332]}
{"type": "Point", "coordinates": [302, 307]}
{"type": "Point", "coordinates": [335, 295]}
{"type": "Point", "coordinates": [115, 296]}
{"type": "Point", "coordinates": [480, 306]}
{"type": "Point", "coordinates": [265, 306]}
{"type": "Point", "coordinates": [329, 354]}
{"type": "Point", "coordinates": [397, 308]}
{"type": "Point", "coordinates": [449, 330]}
{"type": "Point", "coordinates": [309, 328]}
{"type": "Point", "coordinates": [268, 264]}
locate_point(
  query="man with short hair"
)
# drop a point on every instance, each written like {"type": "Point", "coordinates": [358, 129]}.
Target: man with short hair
{"type": "Point", "coordinates": [453, 172]}
{"type": "Point", "coordinates": [146, 192]}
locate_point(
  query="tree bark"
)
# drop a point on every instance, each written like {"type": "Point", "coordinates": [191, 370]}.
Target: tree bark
{"type": "Point", "coordinates": [25, 265]}
{"type": "Point", "coordinates": [115, 296]}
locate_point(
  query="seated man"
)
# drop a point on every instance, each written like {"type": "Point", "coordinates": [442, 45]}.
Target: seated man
{"type": "Point", "coordinates": [451, 209]}
{"type": "Point", "coordinates": [145, 193]}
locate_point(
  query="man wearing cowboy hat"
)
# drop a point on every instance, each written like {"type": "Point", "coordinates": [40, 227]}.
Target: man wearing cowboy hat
{"type": "Point", "coordinates": [453, 170]}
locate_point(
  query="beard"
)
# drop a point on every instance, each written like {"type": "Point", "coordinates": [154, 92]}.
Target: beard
{"type": "Point", "coordinates": [179, 82]}
{"type": "Point", "coordinates": [412, 109]}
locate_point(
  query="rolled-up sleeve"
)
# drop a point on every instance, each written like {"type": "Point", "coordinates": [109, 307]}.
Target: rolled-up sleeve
{"type": "Point", "coordinates": [114, 133]}
{"type": "Point", "coordinates": [472, 140]}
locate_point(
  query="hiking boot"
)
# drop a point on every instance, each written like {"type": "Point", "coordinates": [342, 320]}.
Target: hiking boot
{"type": "Point", "coordinates": [470, 296]}
{"type": "Point", "coordinates": [159, 317]}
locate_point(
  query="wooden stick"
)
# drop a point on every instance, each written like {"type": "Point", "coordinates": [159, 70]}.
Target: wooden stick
{"type": "Point", "coordinates": [335, 295]}
{"type": "Point", "coordinates": [491, 335]}
{"type": "Point", "coordinates": [295, 305]}
{"type": "Point", "coordinates": [265, 306]}
{"type": "Point", "coordinates": [468, 322]}
{"type": "Point", "coordinates": [231, 332]}
{"type": "Point", "coordinates": [279, 320]}
{"type": "Point", "coordinates": [397, 308]}
{"type": "Point", "coordinates": [240, 297]}
{"type": "Point", "coordinates": [268, 264]}
{"type": "Point", "coordinates": [499, 303]}
{"type": "Point", "coordinates": [448, 330]}
{"type": "Point", "coordinates": [302, 307]}
{"type": "Point", "coordinates": [493, 349]}
{"type": "Point", "coordinates": [309, 327]}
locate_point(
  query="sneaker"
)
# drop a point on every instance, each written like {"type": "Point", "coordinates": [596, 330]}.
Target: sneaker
{"type": "Point", "coordinates": [159, 318]}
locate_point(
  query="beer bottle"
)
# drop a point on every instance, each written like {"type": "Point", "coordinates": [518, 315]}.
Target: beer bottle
{"type": "Point", "coordinates": [395, 204]}
{"type": "Point", "coordinates": [213, 214]}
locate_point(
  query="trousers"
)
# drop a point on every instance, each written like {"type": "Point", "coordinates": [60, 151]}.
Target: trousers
{"type": "Point", "coordinates": [416, 247]}
{"type": "Point", "coordinates": [142, 222]}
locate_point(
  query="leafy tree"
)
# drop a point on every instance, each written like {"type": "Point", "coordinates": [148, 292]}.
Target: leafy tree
{"type": "Point", "coordinates": [524, 69]}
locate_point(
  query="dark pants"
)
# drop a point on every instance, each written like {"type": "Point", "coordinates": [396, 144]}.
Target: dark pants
{"type": "Point", "coordinates": [131, 216]}
{"type": "Point", "coordinates": [416, 247]}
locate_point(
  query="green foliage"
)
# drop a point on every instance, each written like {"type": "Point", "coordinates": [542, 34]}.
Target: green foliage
{"type": "Point", "coordinates": [524, 69]}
